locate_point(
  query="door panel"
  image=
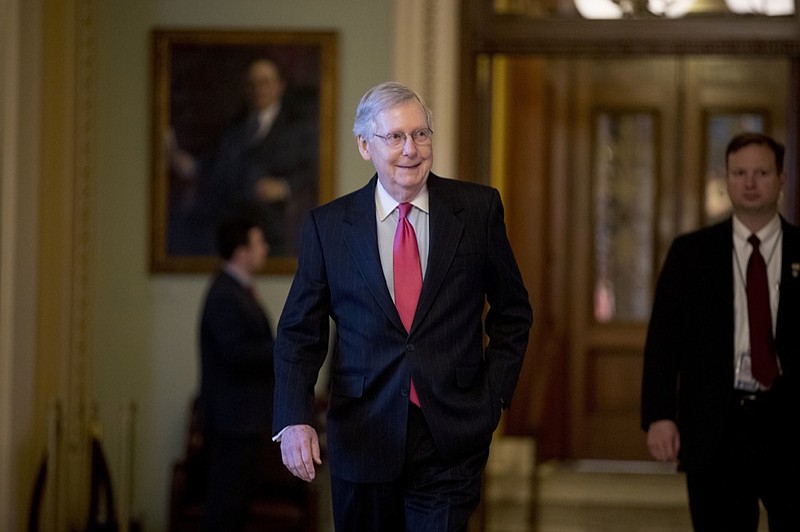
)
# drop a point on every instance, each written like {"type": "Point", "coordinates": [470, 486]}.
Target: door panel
{"type": "Point", "coordinates": [605, 355]}
{"type": "Point", "coordinates": [601, 163]}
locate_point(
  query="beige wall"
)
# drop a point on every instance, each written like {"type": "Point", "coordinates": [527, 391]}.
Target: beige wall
{"type": "Point", "coordinates": [145, 325]}
{"type": "Point", "coordinates": [83, 323]}
{"type": "Point", "coordinates": [21, 445]}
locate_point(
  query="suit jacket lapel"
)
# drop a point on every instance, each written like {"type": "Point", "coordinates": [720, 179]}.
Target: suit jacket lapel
{"type": "Point", "coordinates": [445, 233]}
{"type": "Point", "coordinates": [790, 253]}
{"type": "Point", "coordinates": [361, 239]}
{"type": "Point", "coordinates": [790, 279]}
{"type": "Point", "coordinates": [720, 261]}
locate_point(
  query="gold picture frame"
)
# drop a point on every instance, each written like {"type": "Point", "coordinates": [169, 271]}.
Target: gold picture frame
{"type": "Point", "coordinates": [203, 169]}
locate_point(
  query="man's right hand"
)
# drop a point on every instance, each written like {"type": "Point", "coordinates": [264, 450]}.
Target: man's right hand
{"type": "Point", "coordinates": [300, 451]}
{"type": "Point", "coordinates": [663, 440]}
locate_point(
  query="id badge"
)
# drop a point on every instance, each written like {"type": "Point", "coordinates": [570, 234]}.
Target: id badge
{"type": "Point", "coordinates": [744, 373]}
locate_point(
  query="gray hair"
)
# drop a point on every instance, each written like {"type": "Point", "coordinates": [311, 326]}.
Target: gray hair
{"type": "Point", "coordinates": [380, 98]}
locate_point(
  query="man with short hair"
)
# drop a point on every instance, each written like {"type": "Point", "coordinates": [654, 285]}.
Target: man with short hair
{"type": "Point", "coordinates": [720, 391]}
{"type": "Point", "coordinates": [404, 267]}
{"type": "Point", "coordinates": [237, 380]}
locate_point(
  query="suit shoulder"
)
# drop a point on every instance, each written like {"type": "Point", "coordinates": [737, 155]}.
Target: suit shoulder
{"type": "Point", "coordinates": [463, 194]}
{"type": "Point", "coordinates": [719, 232]}
{"type": "Point", "coordinates": [456, 185]}
{"type": "Point", "coordinates": [222, 285]}
{"type": "Point", "coordinates": [788, 228]}
{"type": "Point", "coordinates": [703, 248]}
{"type": "Point", "coordinates": [356, 197]}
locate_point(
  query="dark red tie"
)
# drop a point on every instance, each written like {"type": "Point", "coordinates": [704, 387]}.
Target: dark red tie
{"type": "Point", "coordinates": [407, 275]}
{"type": "Point", "coordinates": [762, 343]}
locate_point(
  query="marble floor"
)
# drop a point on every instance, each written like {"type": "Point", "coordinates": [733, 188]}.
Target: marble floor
{"type": "Point", "coordinates": [578, 496]}
{"type": "Point", "coordinates": [581, 496]}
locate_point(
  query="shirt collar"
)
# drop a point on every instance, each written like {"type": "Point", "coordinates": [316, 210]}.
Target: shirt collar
{"type": "Point", "coordinates": [769, 231]}
{"type": "Point", "coordinates": [266, 116]}
{"type": "Point", "coordinates": [385, 204]}
{"type": "Point", "coordinates": [241, 276]}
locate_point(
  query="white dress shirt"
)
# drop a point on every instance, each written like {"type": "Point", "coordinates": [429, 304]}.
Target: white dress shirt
{"type": "Point", "coordinates": [387, 216]}
{"type": "Point", "coordinates": [771, 237]}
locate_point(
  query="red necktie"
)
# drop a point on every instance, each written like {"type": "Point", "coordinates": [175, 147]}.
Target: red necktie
{"type": "Point", "coordinates": [762, 344]}
{"type": "Point", "coordinates": [407, 275]}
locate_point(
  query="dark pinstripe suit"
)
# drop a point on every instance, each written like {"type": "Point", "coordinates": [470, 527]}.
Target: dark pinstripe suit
{"type": "Point", "coordinates": [461, 384]}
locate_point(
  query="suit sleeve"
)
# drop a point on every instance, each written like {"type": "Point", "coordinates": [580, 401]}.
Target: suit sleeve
{"type": "Point", "coordinates": [302, 341]}
{"type": "Point", "coordinates": [509, 318]}
{"type": "Point", "coordinates": [662, 348]}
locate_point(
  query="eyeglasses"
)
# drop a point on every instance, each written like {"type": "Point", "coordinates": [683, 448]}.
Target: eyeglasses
{"type": "Point", "coordinates": [395, 139]}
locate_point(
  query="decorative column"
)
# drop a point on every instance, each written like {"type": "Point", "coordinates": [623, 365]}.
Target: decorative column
{"type": "Point", "coordinates": [426, 36]}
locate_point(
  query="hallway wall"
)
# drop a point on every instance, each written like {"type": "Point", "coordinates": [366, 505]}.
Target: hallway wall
{"type": "Point", "coordinates": [145, 325]}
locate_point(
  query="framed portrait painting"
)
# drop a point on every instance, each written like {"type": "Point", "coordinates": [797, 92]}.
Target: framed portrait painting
{"type": "Point", "coordinates": [242, 123]}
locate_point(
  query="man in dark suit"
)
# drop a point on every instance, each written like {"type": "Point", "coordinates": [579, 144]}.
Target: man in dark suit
{"type": "Point", "coordinates": [710, 399]}
{"type": "Point", "coordinates": [238, 378]}
{"type": "Point", "coordinates": [414, 395]}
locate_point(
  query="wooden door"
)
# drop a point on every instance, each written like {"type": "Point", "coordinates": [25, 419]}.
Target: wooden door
{"type": "Point", "coordinates": [601, 163]}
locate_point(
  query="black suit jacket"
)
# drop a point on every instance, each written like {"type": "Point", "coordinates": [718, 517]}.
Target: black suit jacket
{"type": "Point", "coordinates": [689, 354]}
{"type": "Point", "coordinates": [461, 384]}
{"type": "Point", "coordinates": [237, 379]}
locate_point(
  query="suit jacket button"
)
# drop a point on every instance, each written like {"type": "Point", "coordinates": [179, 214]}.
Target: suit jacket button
{"type": "Point", "coordinates": [409, 347]}
{"type": "Point", "coordinates": [404, 391]}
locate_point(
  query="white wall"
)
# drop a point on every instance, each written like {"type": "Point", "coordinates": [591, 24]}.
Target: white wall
{"type": "Point", "coordinates": [145, 325]}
